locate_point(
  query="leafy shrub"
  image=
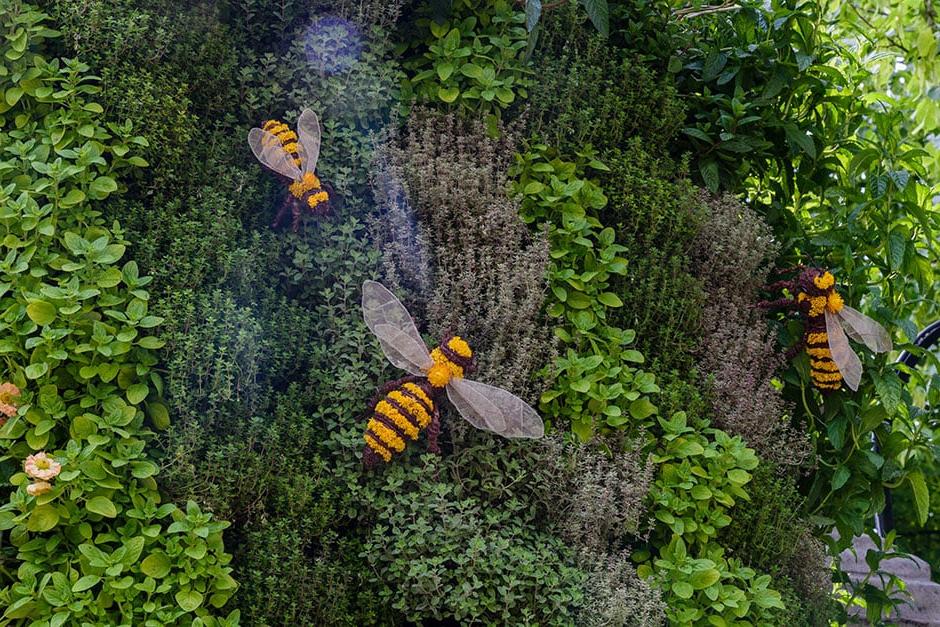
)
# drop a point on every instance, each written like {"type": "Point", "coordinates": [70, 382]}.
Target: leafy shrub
{"type": "Point", "coordinates": [94, 547]}
{"type": "Point", "coordinates": [614, 595]}
{"type": "Point", "coordinates": [487, 271]}
{"type": "Point", "coordinates": [597, 95]}
{"type": "Point", "coordinates": [771, 534]}
{"type": "Point", "coordinates": [753, 78]}
{"type": "Point", "coordinates": [475, 60]}
{"type": "Point", "coordinates": [595, 385]}
{"type": "Point", "coordinates": [701, 474]}
{"type": "Point", "coordinates": [733, 253]}
{"type": "Point", "coordinates": [439, 555]}
{"type": "Point", "coordinates": [655, 215]}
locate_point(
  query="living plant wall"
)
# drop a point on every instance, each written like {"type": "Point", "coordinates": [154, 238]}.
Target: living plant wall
{"type": "Point", "coordinates": [596, 195]}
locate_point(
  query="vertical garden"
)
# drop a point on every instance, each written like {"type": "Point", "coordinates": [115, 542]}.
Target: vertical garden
{"type": "Point", "coordinates": [601, 197]}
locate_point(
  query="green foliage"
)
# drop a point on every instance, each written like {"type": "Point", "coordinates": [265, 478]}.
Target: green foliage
{"type": "Point", "coordinates": [772, 536]}
{"type": "Point", "coordinates": [657, 216]}
{"type": "Point", "coordinates": [754, 79]}
{"type": "Point", "coordinates": [592, 93]}
{"type": "Point", "coordinates": [702, 473]}
{"type": "Point", "coordinates": [475, 60]}
{"type": "Point", "coordinates": [437, 553]}
{"type": "Point", "coordinates": [596, 385]}
{"type": "Point", "coordinates": [597, 11]}
{"type": "Point", "coordinates": [79, 342]}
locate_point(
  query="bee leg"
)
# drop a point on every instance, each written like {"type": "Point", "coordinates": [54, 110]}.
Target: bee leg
{"type": "Point", "coordinates": [295, 224]}
{"type": "Point", "coordinates": [782, 303]}
{"type": "Point", "coordinates": [781, 285]}
{"type": "Point", "coordinates": [794, 350]}
{"type": "Point", "coordinates": [281, 214]}
{"type": "Point", "coordinates": [434, 430]}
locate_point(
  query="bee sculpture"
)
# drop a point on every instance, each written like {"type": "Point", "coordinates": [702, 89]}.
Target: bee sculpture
{"type": "Point", "coordinates": [828, 321]}
{"type": "Point", "coordinates": [403, 408]}
{"type": "Point", "coordinates": [293, 156]}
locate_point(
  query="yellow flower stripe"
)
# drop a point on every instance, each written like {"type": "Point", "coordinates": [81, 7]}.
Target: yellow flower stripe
{"type": "Point", "coordinates": [389, 438]}
{"type": "Point", "coordinates": [287, 136]}
{"type": "Point", "coordinates": [377, 446]}
{"type": "Point", "coordinates": [835, 303]}
{"type": "Point", "coordinates": [415, 389]}
{"type": "Point", "coordinates": [826, 377]}
{"type": "Point", "coordinates": [291, 148]}
{"type": "Point", "coordinates": [817, 338]}
{"type": "Point", "coordinates": [819, 352]}
{"type": "Point", "coordinates": [825, 281]}
{"type": "Point", "coordinates": [829, 386]}
{"type": "Point", "coordinates": [388, 410]}
{"type": "Point", "coordinates": [824, 365]}
{"type": "Point", "coordinates": [459, 346]}
{"type": "Point", "coordinates": [413, 407]}
{"type": "Point", "coordinates": [439, 358]}
{"type": "Point", "coordinates": [304, 185]}
{"type": "Point", "coordinates": [816, 305]}
{"type": "Point", "coordinates": [316, 199]}
{"type": "Point", "coordinates": [270, 124]}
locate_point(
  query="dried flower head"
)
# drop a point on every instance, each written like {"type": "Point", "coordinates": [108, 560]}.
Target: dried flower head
{"type": "Point", "coordinates": [734, 253]}
{"type": "Point", "coordinates": [40, 487]}
{"type": "Point", "coordinates": [485, 268]}
{"type": "Point", "coordinates": [9, 394]}
{"type": "Point", "coordinates": [41, 466]}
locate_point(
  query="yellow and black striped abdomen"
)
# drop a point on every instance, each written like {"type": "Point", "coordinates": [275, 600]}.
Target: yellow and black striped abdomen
{"type": "Point", "coordinates": [398, 417]}
{"type": "Point", "coordinates": [824, 372]}
{"type": "Point", "coordinates": [287, 137]}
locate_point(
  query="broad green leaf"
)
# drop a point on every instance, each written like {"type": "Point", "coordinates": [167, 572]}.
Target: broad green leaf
{"type": "Point", "coordinates": [41, 312]}
{"type": "Point", "coordinates": [642, 408]}
{"type": "Point", "coordinates": [101, 505]}
{"type": "Point", "coordinates": [85, 583]}
{"type": "Point", "coordinates": [43, 518]}
{"type": "Point", "coordinates": [189, 600]}
{"type": "Point", "coordinates": [448, 94]}
{"type": "Point", "coordinates": [709, 172]}
{"type": "Point", "coordinates": [156, 565]}
{"type": "Point", "coordinates": [682, 589]}
{"type": "Point", "coordinates": [137, 393]}
{"type": "Point", "coordinates": [102, 186]}
{"type": "Point", "coordinates": [159, 415]}
{"type": "Point", "coordinates": [921, 495]}
{"type": "Point", "coordinates": [599, 14]}
{"type": "Point", "coordinates": [704, 578]}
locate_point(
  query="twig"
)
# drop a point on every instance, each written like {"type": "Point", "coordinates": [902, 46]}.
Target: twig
{"type": "Point", "coordinates": [546, 7]}
{"type": "Point", "coordinates": [691, 12]}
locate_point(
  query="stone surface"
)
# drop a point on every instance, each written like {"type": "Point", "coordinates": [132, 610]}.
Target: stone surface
{"type": "Point", "coordinates": [923, 610]}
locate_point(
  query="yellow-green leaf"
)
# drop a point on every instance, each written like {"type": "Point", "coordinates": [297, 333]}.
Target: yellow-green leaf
{"type": "Point", "coordinates": [41, 312]}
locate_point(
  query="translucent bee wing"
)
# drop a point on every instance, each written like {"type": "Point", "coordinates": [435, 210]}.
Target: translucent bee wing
{"type": "Point", "coordinates": [388, 319]}
{"type": "Point", "coordinates": [848, 362]}
{"type": "Point", "coordinates": [494, 409]}
{"type": "Point", "coordinates": [863, 329]}
{"type": "Point", "coordinates": [268, 150]}
{"type": "Point", "coordinates": [308, 131]}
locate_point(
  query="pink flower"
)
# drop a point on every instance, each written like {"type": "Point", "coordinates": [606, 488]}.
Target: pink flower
{"type": "Point", "coordinates": [40, 487]}
{"type": "Point", "coordinates": [8, 394]}
{"type": "Point", "coordinates": [41, 466]}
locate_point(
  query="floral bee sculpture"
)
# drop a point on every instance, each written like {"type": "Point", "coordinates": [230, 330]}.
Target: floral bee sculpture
{"type": "Point", "coordinates": [405, 407]}
{"type": "Point", "coordinates": [828, 319]}
{"type": "Point", "coordinates": [293, 155]}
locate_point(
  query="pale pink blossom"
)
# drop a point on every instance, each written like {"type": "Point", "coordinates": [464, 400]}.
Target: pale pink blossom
{"type": "Point", "coordinates": [41, 466]}
{"type": "Point", "coordinates": [8, 395]}
{"type": "Point", "coordinates": [40, 487]}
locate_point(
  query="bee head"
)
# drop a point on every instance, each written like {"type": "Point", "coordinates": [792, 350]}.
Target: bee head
{"type": "Point", "coordinates": [457, 351]}
{"type": "Point", "coordinates": [816, 281]}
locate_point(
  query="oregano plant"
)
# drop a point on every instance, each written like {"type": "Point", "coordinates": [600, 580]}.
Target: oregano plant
{"type": "Point", "coordinates": [84, 534]}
